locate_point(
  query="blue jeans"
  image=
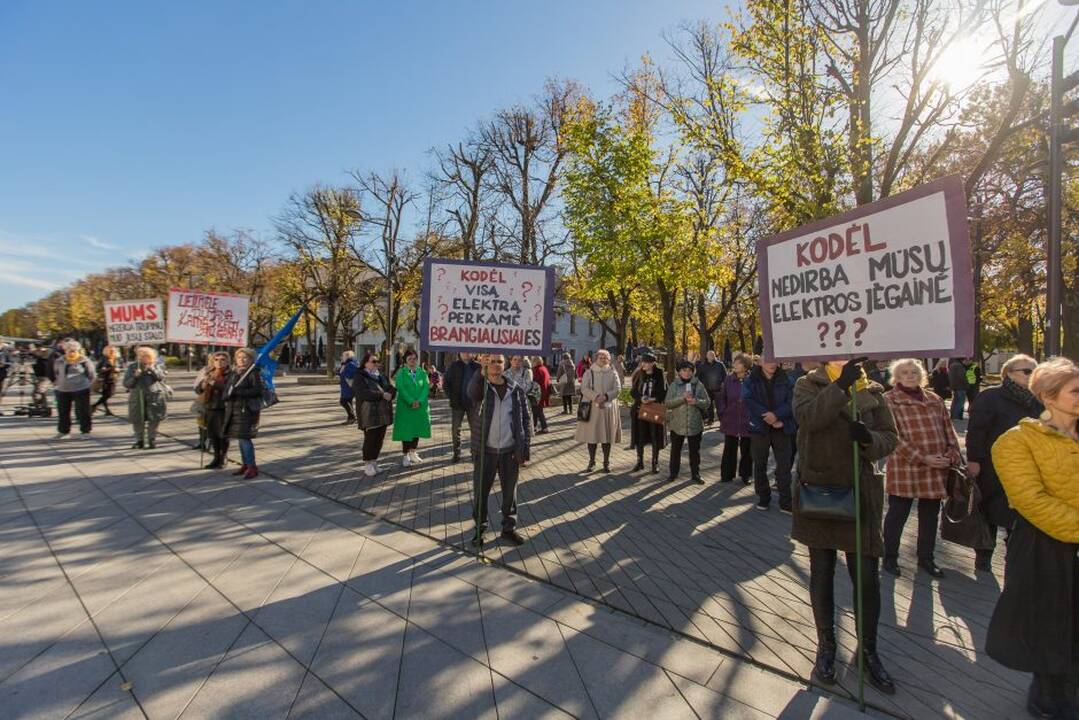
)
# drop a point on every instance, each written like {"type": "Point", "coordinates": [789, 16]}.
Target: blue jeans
{"type": "Point", "coordinates": [247, 452]}
{"type": "Point", "coordinates": [959, 399]}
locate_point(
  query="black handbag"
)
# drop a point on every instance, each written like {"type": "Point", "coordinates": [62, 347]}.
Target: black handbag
{"type": "Point", "coordinates": [826, 502]}
{"type": "Point", "coordinates": [584, 408]}
{"type": "Point", "coordinates": [964, 522]}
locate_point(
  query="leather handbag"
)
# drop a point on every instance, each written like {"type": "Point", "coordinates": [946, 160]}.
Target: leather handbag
{"type": "Point", "coordinates": [826, 502]}
{"type": "Point", "coordinates": [653, 412]}
{"type": "Point", "coordinates": [584, 410]}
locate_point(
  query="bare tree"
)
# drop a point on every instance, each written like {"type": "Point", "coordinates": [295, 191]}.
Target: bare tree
{"type": "Point", "coordinates": [463, 174]}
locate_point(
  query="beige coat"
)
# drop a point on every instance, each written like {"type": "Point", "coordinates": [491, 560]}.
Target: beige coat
{"type": "Point", "coordinates": [605, 424]}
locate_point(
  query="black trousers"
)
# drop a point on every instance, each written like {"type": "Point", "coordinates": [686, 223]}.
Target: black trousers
{"type": "Point", "coordinates": [409, 445]}
{"type": "Point", "coordinates": [372, 442]}
{"type": "Point", "coordinates": [896, 518]}
{"type": "Point", "coordinates": [505, 465]}
{"type": "Point", "coordinates": [64, 402]}
{"type": "Point", "coordinates": [694, 454]}
{"type": "Point", "coordinates": [539, 421]}
{"type": "Point", "coordinates": [347, 405]}
{"type": "Point", "coordinates": [822, 593]}
{"type": "Point", "coordinates": [736, 455]}
{"type": "Point", "coordinates": [779, 443]}
{"type": "Point", "coordinates": [107, 392]}
{"type": "Point", "coordinates": [710, 416]}
{"type": "Point", "coordinates": [567, 403]}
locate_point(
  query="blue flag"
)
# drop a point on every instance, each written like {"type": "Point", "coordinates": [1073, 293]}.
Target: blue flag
{"type": "Point", "coordinates": [266, 364]}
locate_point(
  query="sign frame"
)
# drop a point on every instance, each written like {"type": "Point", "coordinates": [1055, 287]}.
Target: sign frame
{"type": "Point", "coordinates": [188, 341]}
{"type": "Point", "coordinates": [425, 308]}
{"type": "Point", "coordinates": [955, 208]}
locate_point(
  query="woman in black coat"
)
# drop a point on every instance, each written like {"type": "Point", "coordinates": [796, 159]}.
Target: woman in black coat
{"type": "Point", "coordinates": [210, 387]}
{"type": "Point", "coordinates": [648, 385]}
{"type": "Point", "coordinates": [243, 393]}
{"type": "Point", "coordinates": [994, 412]}
{"type": "Point", "coordinates": [374, 410]}
{"type": "Point", "coordinates": [107, 368]}
{"type": "Point", "coordinates": [938, 379]}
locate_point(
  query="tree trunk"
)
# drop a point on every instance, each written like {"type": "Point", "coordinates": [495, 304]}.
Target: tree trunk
{"type": "Point", "coordinates": [331, 338]}
{"type": "Point", "coordinates": [1024, 334]}
{"type": "Point", "coordinates": [702, 325]}
{"type": "Point", "coordinates": [668, 299]}
{"type": "Point", "coordinates": [1070, 317]}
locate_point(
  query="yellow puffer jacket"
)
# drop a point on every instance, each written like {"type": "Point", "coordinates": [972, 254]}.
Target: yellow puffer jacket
{"type": "Point", "coordinates": [1039, 469]}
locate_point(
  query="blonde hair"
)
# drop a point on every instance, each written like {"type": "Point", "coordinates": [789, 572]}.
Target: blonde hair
{"type": "Point", "coordinates": [247, 352]}
{"type": "Point", "coordinates": [601, 351]}
{"type": "Point", "coordinates": [108, 351]}
{"type": "Point", "coordinates": [146, 350]}
{"type": "Point", "coordinates": [1015, 360]}
{"type": "Point", "coordinates": [923, 377]}
{"type": "Point", "coordinates": [1050, 377]}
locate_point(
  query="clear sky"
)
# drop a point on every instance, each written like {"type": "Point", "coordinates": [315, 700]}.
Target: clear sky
{"type": "Point", "coordinates": [130, 125]}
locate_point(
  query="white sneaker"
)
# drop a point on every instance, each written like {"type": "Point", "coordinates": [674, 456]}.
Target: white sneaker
{"type": "Point", "coordinates": [62, 436]}
{"type": "Point", "coordinates": [406, 460]}
{"type": "Point", "coordinates": [371, 470]}
{"type": "Point", "coordinates": [415, 456]}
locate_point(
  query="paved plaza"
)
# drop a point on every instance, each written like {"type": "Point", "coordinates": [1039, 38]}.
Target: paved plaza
{"type": "Point", "coordinates": [136, 584]}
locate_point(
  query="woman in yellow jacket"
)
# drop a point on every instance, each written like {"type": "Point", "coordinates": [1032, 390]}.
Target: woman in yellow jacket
{"type": "Point", "coordinates": [1035, 626]}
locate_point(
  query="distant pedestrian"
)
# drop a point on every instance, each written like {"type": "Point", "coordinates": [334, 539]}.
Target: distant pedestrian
{"type": "Point", "coordinates": [74, 375]}
{"type": "Point", "coordinates": [243, 393]}
{"type": "Point", "coordinates": [918, 469]}
{"type": "Point", "coordinates": [687, 402]}
{"type": "Point", "coordinates": [938, 379]}
{"type": "Point", "coordinates": [734, 424]}
{"type": "Point", "coordinates": [107, 369]}
{"type": "Point", "coordinates": [413, 418]}
{"type": "Point", "coordinates": [374, 411]}
{"type": "Point", "coordinates": [566, 380]}
{"type": "Point", "coordinates": [619, 366]}
{"type": "Point", "coordinates": [957, 380]}
{"type": "Point", "coordinates": [584, 364]}
{"type": "Point", "coordinates": [648, 385]}
{"type": "Point", "coordinates": [1034, 626]}
{"type": "Point", "coordinates": [826, 434]}
{"type": "Point", "coordinates": [997, 410]}
{"type": "Point", "coordinates": [712, 372]}
{"type": "Point", "coordinates": [600, 387]}
{"type": "Point", "coordinates": [458, 375]}
{"type": "Point", "coordinates": [346, 372]}
{"type": "Point", "coordinates": [974, 381]}
{"type": "Point", "coordinates": [147, 402]}
{"type": "Point", "coordinates": [501, 434]}
{"type": "Point", "coordinates": [541, 376]}
{"type": "Point", "coordinates": [210, 390]}
{"type": "Point", "coordinates": [768, 395]}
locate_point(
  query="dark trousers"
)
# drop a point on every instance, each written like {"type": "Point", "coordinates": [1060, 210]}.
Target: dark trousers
{"type": "Point", "coordinates": [567, 404]}
{"type": "Point", "coordinates": [959, 399]}
{"type": "Point", "coordinates": [986, 554]}
{"type": "Point", "coordinates": [103, 400]}
{"type": "Point", "coordinates": [457, 418]}
{"type": "Point", "coordinates": [896, 518]}
{"type": "Point", "coordinates": [220, 447]}
{"type": "Point", "coordinates": [539, 421]}
{"type": "Point", "coordinates": [372, 442]}
{"type": "Point", "coordinates": [81, 401]}
{"type": "Point", "coordinates": [347, 405]}
{"type": "Point", "coordinates": [734, 446]}
{"type": "Point", "coordinates": [694, 454]}
{"type": "Point", "coordinates": [779, 443]}
{"type": "Point", "coordinates": [822, 593]}
{"type": "Point", "coordinates": [408, 445]}
{"type": "Point", "coordinates": [483, 479]}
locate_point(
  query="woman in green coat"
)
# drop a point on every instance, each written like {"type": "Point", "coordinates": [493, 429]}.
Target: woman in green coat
{"type": "Point", "coordinates": [413, 419]}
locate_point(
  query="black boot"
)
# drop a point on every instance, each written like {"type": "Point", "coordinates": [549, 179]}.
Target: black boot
{"type": "Point", "coordinates": [1048, 697]}
{"type": "Point", "coordinates": [824, 667]}
{"type": "Point", "coordinates": [606, 458]}
{"type": "Point", "coordinates": [591, 458]}
{"type": "Point", "coordinates": [874, 669]}
{"type": "Point", "coordinates": [655, 461]}
{"type": "Point", "coordinates": [640, 459]}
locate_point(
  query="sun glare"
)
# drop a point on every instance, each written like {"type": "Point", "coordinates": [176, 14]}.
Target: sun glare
{"type": "Point", "coordinates": [961, 65]}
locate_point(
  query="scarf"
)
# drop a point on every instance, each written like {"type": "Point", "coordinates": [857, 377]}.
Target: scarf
{"type": "Point", "coordinates": [914, 392]}
{"type": "Point", "coordinates": [1022, 396]}
{"type": "Point", "coordinates": [833, 374]}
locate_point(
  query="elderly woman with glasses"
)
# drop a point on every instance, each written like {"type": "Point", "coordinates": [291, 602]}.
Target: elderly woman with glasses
{"type": "Point", "coordinates": [995, 411]}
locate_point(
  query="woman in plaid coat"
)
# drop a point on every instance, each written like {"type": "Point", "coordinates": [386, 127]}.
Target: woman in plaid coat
{"type": "Point", "coordinates": [918, 469]}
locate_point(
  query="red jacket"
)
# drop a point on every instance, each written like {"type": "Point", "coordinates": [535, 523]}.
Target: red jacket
{"type": "Point", "coordinates": [541, 375]}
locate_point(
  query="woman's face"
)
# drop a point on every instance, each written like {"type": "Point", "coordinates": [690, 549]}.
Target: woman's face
{"type": "Point", "coordinates": [411, 360]}
{"type": "Point", "coordinates": [603, 360]}
{"type": "Point", "coordinates": [221, 363]}
{"type": "Point", "coordinates": [1066, 401]}
{"type": "Point", "coordinates": [740, 368]}
{"type": "Point", "coordinates": [146, 359]}
{"type": "Point", "coordinates": [1020, 374]}
{"type": "Point", "coordinates": [908, 376]}
{"type": "Point", "coordinates": [241, 360]}
{"type": "Point", "coordinates": [686, 374]}
{"type": "Point", "coordinates": [648, 365]}
{"type": "Point", "coordinates": [372, 363]}
{"type": "Point", "coordinates": [515, 362]}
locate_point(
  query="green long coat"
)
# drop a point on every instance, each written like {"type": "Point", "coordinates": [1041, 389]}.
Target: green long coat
{"type": "Point", "coordinates": [826, 457]}
{"type": "Point", "coordinates": [410, 423]}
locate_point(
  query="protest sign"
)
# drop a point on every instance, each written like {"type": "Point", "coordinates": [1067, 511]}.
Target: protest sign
{"type": "Point", "coordinates": [134, 322]}
{"type": "Point", "coordinates": [486, 307]}
{"type": "Point", "coordinates": [207, 318]}
{"type": "Point", "coordinates": [890, 279]}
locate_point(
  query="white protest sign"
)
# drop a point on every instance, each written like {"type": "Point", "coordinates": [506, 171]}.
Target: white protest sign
{"type": "Point", "coordinates": [134, 322]}
{"type": "Point", "coordinates": [491, 307]}
{"type": "Point", "coordinates": [890, 279]}
{"type": "Point", "coordinates": [207, 318]}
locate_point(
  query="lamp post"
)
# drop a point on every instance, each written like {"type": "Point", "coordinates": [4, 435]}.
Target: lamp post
{"type": "Point", "coordinates": [391, 262]}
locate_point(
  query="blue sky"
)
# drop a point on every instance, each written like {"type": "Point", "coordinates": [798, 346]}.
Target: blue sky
{"type": "Point", "coordinates": [130, 125]}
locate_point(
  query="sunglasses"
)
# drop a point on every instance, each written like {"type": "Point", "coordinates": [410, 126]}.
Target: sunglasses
{"type": "Point", "coordinates": [1025, 371]}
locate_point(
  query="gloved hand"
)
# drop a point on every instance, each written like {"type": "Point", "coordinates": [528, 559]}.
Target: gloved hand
{"type": "Point", "coordinates": [850, 373]}
{"type": "Point", "coordinates": [859, 433]}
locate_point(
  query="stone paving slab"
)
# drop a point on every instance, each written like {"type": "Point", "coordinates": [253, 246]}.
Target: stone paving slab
{"type": "Point", "coordinates": [696, 560]}
{"type": "Point", "coordinates": [176, 592]}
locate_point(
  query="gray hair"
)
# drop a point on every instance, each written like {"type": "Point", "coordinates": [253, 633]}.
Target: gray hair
{"type": "Point", "coordinates": [923, 378]}
{"type": "Point", "coordinates": [1015, 360]}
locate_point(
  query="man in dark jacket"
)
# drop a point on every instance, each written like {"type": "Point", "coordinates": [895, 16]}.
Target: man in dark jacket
{"type": "Point", "coordinates": [501, 433]}
{"type": "Point", "coordinates": [455, 383]}
{"type": "Point", "coordinates": [957, 379]}
{"type": "Point", "coordinates": [768, 393]}
{"type": "Point", "coordinates": [711, 372]}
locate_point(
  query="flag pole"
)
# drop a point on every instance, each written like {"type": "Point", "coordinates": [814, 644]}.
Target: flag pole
{"type": "Point", "coordinates": [858, 615]}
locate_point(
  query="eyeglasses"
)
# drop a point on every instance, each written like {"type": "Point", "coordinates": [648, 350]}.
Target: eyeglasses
{"type": "Point", "coordinates": [1025, 371]}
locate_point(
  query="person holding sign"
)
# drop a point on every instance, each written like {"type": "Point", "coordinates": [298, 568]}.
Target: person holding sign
{"type": "Point", "coordinates": [501, 435]}
{"type": "Point", "coordinates": [824, 513]}
{"type": "Point", "coordinates": [598, 419]}
{"type": "Point", "coordinates": [413, 419]}
{"type": "Point", "coordinates": [647, 386]}
{"type": "Point", "coordinates": [687, 402]}
{"type": "Point", "coordinates": [210, 389]}
{"type": "Point", "coordinates": [243, 391]}
{"type": "Point", "coordinates": [1034, 628]}
{"type": "Point", "coordinates": [146, 404]}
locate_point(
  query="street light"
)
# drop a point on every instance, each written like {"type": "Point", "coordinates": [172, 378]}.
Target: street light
{"type": "Point", "coordinates": [391, 261]}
